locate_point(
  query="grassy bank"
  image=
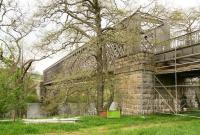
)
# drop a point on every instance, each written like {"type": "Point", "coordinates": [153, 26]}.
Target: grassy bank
{"type": "Point", "coordinates": [127, 125]}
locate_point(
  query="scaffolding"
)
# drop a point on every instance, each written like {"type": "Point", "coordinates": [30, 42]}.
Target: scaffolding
{"type": "Point", "coordinates": [179, 55]}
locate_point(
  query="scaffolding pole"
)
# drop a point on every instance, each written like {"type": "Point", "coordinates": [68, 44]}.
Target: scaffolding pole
{"type": "Point", "coordinates": [175, 46]}
{"type": "Point", "coordinates": [175, 75]}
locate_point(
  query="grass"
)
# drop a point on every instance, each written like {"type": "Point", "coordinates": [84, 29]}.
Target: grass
{"type": "Point", "coordinates": [127, 125]}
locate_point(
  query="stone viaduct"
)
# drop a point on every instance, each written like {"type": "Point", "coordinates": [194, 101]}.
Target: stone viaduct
{"type": "Point", "coordinates": [154, 76]}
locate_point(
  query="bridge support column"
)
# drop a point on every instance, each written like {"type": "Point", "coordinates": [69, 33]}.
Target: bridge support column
{"type": "Point", "coordinates": [42, 91]}
{"type": "Point", "coordinates": [187, 96]}
{"type": "Point", "coordinates": [134, 84]}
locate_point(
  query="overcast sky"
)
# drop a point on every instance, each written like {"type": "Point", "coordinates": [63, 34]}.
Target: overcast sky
{"type": "Point", "coordinates": [29, 6]}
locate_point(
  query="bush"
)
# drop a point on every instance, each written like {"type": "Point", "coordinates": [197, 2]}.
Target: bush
{"type": "Point", "coordinates": [32, 98]}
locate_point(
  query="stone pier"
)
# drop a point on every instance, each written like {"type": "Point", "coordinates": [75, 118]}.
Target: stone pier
{"type": "Point", "coordinates": [134, 84]}
{"type": "Point", "coordinates": [184, 92]}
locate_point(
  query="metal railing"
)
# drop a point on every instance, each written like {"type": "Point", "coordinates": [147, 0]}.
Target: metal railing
{"type": "Point", "coordinates": [187, 39]}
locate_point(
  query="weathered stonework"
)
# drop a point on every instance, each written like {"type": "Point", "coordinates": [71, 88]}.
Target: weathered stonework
{"type": "Point", "coordinates": [34, 111]}
{"type": "Point", "coordinates": [188, 92]}
{"type": "Point", "coordinates": [77, 109]}
{"type": "Point", "coordinates": [134, 88]}
{"type": "Point", "coordinates": [134, 84]}
{"type": "Point", "coordinates": [135, 71]}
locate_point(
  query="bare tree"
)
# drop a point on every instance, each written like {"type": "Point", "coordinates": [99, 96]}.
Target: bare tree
{"type": "Point", "coordinates": [79, 22]}
{"type": "Point", "coordinates": [184, 21]}
{"type": "Point", "coordinates": [14, 29]}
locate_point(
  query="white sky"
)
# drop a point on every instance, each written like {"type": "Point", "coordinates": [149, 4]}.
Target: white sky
{"type": "Point", "coordinates": [40, 66]}
{"type": "Point", "coordinates": [181, 3]}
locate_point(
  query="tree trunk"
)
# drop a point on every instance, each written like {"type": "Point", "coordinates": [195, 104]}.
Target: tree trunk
{"type": "Point", "coordinates": [100, 81]}
{"type": "Point", "coordinates": [14, 115]}
{"type": "Point", "coordinates": [100, 58]}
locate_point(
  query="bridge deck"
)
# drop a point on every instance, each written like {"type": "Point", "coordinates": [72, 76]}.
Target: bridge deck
{"type": "Point", "coordinates": [179, 54]}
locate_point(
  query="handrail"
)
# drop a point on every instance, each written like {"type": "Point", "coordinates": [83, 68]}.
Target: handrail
{"type": "Point", "coordinates": [187, 39]}
{"type": "Point", "coordinates": [179, 36]}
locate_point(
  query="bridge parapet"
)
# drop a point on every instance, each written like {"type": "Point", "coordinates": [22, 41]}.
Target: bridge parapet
{"type": "Point", "coordinates": [179, 54]}
{"type": "Point", "coordinates": [185, 40]}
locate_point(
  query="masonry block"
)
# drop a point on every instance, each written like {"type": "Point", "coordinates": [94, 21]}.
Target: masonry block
{"type": "Point", "coordinates": [138, 83]}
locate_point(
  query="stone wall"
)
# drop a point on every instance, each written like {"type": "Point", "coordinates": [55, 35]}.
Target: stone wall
{"type": "Point", "coordinates": [192, 93]}
{"type": "Point", "coordinates": [134, 84]}
{"type": "Point", "coordinates": [34, 110]}
{"type": "Point", "coordinates": [77, 109]}
{"type": "Point", "coordinates": [191, 98]}
{"type": "Point", "coordinates": [134, 88]}
{"type": "Point", "coordinates": [164, 103]}
{"type": "Point", "coordinates": [183, 93]}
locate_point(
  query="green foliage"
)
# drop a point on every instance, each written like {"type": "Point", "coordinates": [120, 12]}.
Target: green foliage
{"type": "Point", "coordinates": [80, 90]}
{"type": "Point", "coordinates": [36, 77]}
{"type": "Point", "coordinates": [6, 92]}
{"type": "Point", "coordinates": [12, 91]}
{"type": "Point", "coordinates": [32, 98]}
